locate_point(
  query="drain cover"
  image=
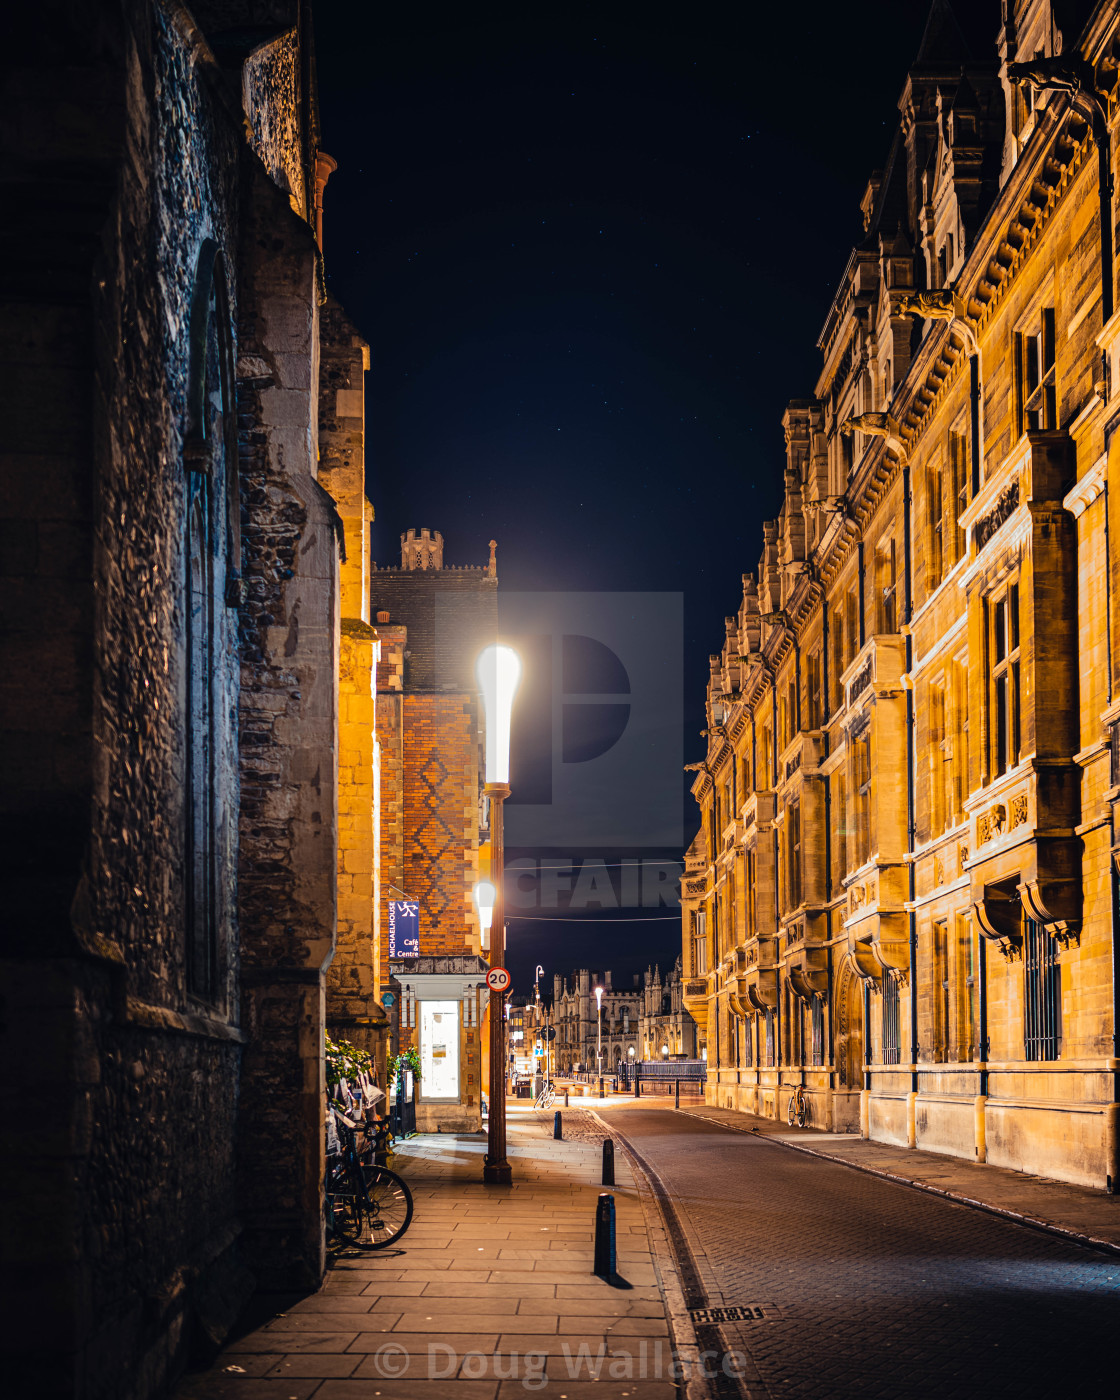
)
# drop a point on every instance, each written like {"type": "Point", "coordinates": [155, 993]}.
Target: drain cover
{"type": "Point", "coordinates": [748, 1312]}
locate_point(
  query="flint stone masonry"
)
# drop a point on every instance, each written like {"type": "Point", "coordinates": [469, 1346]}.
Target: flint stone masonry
{"type": "Point", "coordinates": [178, 1164]}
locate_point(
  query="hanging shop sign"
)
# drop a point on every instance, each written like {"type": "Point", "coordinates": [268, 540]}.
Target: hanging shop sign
{"type": "Point", "coordinates": [404, 928]}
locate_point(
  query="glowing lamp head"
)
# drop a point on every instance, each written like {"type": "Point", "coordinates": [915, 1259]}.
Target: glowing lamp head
{"type": "Point", "coordinates": [498, 672]}
{"type": "Point", "coordinates": [484, 897]}
{"type": "Point", "coordinates": [599, 996]}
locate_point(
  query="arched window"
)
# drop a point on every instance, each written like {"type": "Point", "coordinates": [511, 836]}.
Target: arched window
{"type": "Point", "coordinates": [212, 556]}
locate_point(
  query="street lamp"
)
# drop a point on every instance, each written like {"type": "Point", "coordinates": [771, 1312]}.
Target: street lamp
{"type": "Point", "coordinates": [599, 1036]}
{"type": "Point", "coordinates": [498, 672]}
{"type": "Point", "coordinates": [484, 897]}
{"type": "Point", "coordinates": [664, 1052]}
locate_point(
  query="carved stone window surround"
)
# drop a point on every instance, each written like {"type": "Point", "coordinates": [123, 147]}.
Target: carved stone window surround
{"type": "Point", "coordinates": [1012, 468]}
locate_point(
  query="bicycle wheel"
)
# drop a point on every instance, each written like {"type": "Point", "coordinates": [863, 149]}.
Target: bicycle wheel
{"type": "Point", "coordinates": [386, 1208]}
{"type": "Point", "coordinates": [342, 1206]}
{"type": "Point", "coordinates": [791, 1110]}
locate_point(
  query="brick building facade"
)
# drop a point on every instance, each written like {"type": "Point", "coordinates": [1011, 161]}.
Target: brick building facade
{"type": "Point", "coordinates": [903, 892]}
{"type": "Point", "coordinates": [433, 621]}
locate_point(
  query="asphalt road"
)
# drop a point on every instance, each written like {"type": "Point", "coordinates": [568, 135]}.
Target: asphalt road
{"type": "Point", "coordinates": [872, 1289]}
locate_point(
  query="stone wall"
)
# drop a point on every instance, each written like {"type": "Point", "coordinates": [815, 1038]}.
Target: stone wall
{"type": "Point", "coordinates": [147, 1054]}
{"type": "Point", "coordinates": [289, 715]}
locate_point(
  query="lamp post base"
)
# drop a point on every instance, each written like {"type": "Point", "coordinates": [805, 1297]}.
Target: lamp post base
{"type": "Point", "coordinates": [497, 1174]}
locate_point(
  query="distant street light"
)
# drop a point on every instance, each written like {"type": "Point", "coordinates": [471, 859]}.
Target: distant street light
{"type": "Point", "coordinates": [599, 1036]}
{"type": "Point", "coordinates": [498, 672]}
{"type": "Point", "coordinates": [664, 1052]}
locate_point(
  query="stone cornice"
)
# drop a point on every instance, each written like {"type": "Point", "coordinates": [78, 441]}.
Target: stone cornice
{"type": "Point", "coordinates": [1088, 489]}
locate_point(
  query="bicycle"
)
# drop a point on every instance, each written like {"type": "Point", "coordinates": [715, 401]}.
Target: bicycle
{"type": "Point", "coordinates": [797, 1113]}
{"type": "Point", "coordinates": [367, 1206]}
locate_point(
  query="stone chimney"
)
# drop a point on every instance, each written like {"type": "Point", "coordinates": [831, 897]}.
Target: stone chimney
{"type": "Point", "coordinates": [423, 550]}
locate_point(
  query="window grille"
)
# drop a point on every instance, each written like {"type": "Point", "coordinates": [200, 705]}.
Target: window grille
{"type": "Point", "coordinates": [1042, 1003]}
{"type": "Point", "coordinates": [941, 990]}
{"type": "Point", "coordinates": [967, 1048]}
{"type": "Point", "coordinates": [769, 1039]}
{"type": "Point", "coordinates": [892, 1050]}
{"type": "Point", "coordinates": [817, 1013]}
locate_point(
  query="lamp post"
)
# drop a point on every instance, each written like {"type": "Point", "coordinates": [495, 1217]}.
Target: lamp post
{"type": "Point", "coordinates": [484, 896]}
{"type": "Point", "coordinates": [599, 1036]}
{"type": "Point", "coordinates": [498, 671]}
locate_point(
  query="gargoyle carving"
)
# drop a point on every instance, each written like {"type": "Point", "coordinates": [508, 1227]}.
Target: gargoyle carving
{"type": "Point", "coordinates": [876, 425]}
{"type": "Point", "coordinates": [942, 305]}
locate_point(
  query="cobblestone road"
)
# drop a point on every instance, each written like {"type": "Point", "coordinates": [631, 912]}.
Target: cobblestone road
{"type": "Point", "coordinates": [876, 1289]}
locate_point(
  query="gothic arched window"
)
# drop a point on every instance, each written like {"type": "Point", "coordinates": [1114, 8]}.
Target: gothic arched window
{"type": "Point", "coordinates": [212, 557]}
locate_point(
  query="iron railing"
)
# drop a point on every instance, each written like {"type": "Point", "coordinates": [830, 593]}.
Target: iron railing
{"type": "Point", "coordinates": [1042, 1002]}
{"type": "Point", "coordinates": [892, 1040]}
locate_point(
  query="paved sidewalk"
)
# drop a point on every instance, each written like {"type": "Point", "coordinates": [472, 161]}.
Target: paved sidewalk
{"type": "Point", "coordinates": [1090, 1217]}
{"type": "Point", "coordinates": [489, 1295]}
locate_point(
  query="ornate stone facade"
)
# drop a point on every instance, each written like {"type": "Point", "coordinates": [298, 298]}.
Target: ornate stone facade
{"type": "Point", "coordinates": [903, 891]}
{"type": "Point", "coordinates": [573, 1014]}
{"type": "Point", "coordinates": [665, 1028]}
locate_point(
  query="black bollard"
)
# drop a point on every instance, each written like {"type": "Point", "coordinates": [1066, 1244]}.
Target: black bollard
{"type": "Point", "coordinates": [637, 1085]}
{"type": "Point", "coordinates": [557, 1127]}
{"type": "Point", "coordinates": [565, 1098]}
{"type": "Point", "coordinates": [676, 1093]}
{"type": "Point", "coordinates": [608, 1163]}
{"type": "Point", "coordinates": [604, 1237]}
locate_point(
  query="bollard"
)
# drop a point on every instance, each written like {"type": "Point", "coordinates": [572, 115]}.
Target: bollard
{"type": "Point", "coordinates": [637, 1086]}
{"type": "Point", "coordinates": [676, 1093]}
{"type": "Point", "coordinates": [557, 1127]}
{"type": "Point", "coordinates": [565, 1098]}
{"type": "Point", "coordinates": [608, 1163]}
{"type": "Point", "coordinates": [600, 1086]}
{"type": "Point", "coordinates": [604, 1237]}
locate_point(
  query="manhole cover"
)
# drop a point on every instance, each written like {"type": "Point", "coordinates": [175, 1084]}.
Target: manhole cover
{"type": "Point", "coordinates": [748, 1312]}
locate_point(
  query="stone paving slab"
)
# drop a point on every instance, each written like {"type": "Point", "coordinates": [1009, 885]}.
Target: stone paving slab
{"type": "Point", "coordinates": [1076, 1211]}
{"type": "Point", "coordinates": [489, 1294]}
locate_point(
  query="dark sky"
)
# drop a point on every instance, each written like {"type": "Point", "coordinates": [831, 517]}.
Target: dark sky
{"type": "Point", "coordinates": [592, 248]}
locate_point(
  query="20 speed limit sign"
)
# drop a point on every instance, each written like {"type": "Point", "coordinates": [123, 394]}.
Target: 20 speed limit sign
{"type": "Point", "coordinates": [497, 979]}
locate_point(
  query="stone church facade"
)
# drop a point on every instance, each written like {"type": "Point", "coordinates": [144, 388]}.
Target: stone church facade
{"type": "Point", "coordinates": [189, 676]}
{"type": "Point", "coordinates": [903, 894]}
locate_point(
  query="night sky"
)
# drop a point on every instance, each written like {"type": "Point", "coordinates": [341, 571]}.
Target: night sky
{"type": "Point", "coordinates": [592, 248]}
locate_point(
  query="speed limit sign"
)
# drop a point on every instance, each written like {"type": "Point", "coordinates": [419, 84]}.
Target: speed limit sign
{"type": "Point", "coordinates": [497, 979]}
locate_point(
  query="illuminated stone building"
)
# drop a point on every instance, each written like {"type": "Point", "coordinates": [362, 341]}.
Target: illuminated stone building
{"type": "Point", "coordinates": [665, 1028]}
{"type": "Point", "coordinates": [574, 1016]}
{"type": "Point", "coordinates": [903, 891]}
